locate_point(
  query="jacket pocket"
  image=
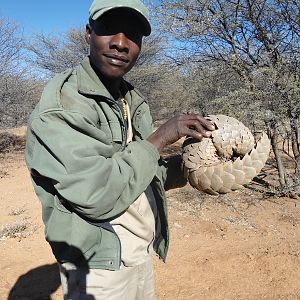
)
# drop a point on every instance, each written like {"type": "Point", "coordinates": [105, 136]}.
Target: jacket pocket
{"type": "Point", "coordinates": [69, 235]}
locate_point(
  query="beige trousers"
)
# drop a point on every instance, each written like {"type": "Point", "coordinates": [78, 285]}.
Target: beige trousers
{"type": "Point", "coordinates": [128, 283]}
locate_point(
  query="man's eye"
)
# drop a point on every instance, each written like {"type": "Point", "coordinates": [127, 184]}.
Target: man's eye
{"type": "Point", "coordinates": [104, 30]}
{"type": "Point", "coordinates": [134, 36]}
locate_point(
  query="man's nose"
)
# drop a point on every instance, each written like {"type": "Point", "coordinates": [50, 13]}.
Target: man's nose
{"type": "Point", "coordinates": [120, 41]}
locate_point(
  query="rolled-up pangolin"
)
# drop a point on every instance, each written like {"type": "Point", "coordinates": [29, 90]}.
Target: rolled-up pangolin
{"type": "Point", "coordinates": [226, 160]}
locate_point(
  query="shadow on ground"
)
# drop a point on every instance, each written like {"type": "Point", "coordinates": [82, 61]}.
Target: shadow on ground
{"type": "Point", "coordinates": [37, 284]}
{"type": "Point", "coordinates": [40, 283]}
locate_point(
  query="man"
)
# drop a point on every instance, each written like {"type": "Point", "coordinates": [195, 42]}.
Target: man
{"type": "Point", "coordinates": [95, 163]}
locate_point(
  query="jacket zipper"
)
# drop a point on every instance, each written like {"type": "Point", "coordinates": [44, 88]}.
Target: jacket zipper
{"type": "Point", "coordinates": [123, 127]}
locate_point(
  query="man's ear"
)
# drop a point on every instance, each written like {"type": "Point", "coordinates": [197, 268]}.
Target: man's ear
{"type": "Point", "coordinates": [88, 31]}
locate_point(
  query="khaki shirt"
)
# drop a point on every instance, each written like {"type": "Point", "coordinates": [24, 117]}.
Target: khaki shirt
{"type": "Point", "coordinates": [136, 226]}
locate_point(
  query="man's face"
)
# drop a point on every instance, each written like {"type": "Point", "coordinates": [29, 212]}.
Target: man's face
{"type": "Point", "coordinates": [115, 43]}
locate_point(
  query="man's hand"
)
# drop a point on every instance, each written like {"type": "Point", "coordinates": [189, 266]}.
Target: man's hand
{"type": "Point", "coordinates": [182, 125]}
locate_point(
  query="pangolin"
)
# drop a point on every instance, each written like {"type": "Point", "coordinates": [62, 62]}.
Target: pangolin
{"type": "Point", "coordinates": [225, 161]}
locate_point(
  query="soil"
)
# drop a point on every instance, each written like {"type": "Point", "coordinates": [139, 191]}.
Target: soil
{"type": "Point", "coordinates": [242, 245]}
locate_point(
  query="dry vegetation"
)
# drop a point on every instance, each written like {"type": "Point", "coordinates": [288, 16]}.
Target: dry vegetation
{"type": "Point", "coordinates": [14, 230]}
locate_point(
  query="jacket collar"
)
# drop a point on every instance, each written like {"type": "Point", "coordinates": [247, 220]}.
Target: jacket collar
{"type": "Point", "coordinates": [89, 84]}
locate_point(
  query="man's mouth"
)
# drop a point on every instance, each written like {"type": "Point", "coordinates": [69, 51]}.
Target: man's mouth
{"type": "Point", "coordinates": [116, 59]}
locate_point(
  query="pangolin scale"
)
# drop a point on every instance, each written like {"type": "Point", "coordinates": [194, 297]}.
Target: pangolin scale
{"type": "Point", "coordinates": [225, 161]}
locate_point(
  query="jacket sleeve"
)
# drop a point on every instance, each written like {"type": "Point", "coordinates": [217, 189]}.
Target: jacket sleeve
{"type": "Point", "coordinates": [98, 183]}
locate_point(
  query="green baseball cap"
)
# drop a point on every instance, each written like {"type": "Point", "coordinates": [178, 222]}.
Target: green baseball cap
{"type": "Point", "coordinates": [99, 7]}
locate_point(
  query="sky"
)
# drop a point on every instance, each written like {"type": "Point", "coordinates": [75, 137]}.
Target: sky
{"type": "Point", "coordinates": [50, 16]}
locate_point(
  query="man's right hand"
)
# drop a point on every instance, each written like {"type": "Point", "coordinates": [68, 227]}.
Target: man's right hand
{"type": "Point", "coordinates": [192, 125]}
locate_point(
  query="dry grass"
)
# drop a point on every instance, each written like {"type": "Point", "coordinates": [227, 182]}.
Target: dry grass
{"type": "Point", "coordinates": [241, 220]}
{"type": "Point", "coordinates": [11, 149]}
{"type": "Point", "coordinates": [14, 230]}
{"type": "Point", "coordinates": [16, 211]}
{"type": "Point", "coordinates": [18, 229]}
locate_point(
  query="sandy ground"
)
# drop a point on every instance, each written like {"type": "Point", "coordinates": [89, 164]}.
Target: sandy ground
{"type": "Point", "coordinates": [235, 246]}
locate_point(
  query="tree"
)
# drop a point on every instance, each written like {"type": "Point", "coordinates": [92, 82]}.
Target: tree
{"type": "Point", "coordinates": [54, 53]}
{"type": "Point", "coordinates": [10, 46]}
{"type": "Point", "coordinates": [258, 40]}
{"type": "Point", "coordinates": [18, 96]}
{"type": "Point", "coordinates": [18, 91]}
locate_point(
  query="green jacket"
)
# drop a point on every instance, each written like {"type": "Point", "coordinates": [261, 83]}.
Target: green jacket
{"type": "Point", "coordinates": [82, 170]}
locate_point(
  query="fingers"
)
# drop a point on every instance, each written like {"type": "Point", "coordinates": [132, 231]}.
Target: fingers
{"type": "Point", "coordinates": [207, 124]}
{"type": "Point", "coordinates": [198, 127]}
{"type": "Point", "coordinates": [195, 134]}
{"type": "Point", "coordinates": [204, 122]}
{"type": "Point", "coordinates": [192, 125]}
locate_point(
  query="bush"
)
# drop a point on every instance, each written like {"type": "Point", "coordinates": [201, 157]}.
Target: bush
{"type": "Point", "coordinates": [10, 142]}
{"type": "Point", "coordinates": [14, 230]}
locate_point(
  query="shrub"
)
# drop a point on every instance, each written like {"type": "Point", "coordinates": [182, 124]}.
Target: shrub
{"type": "Point", "coordinates": [10, 142]}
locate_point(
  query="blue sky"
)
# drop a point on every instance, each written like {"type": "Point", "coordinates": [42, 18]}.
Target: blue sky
{"type": "Point", "coordinates": [50, 16]}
